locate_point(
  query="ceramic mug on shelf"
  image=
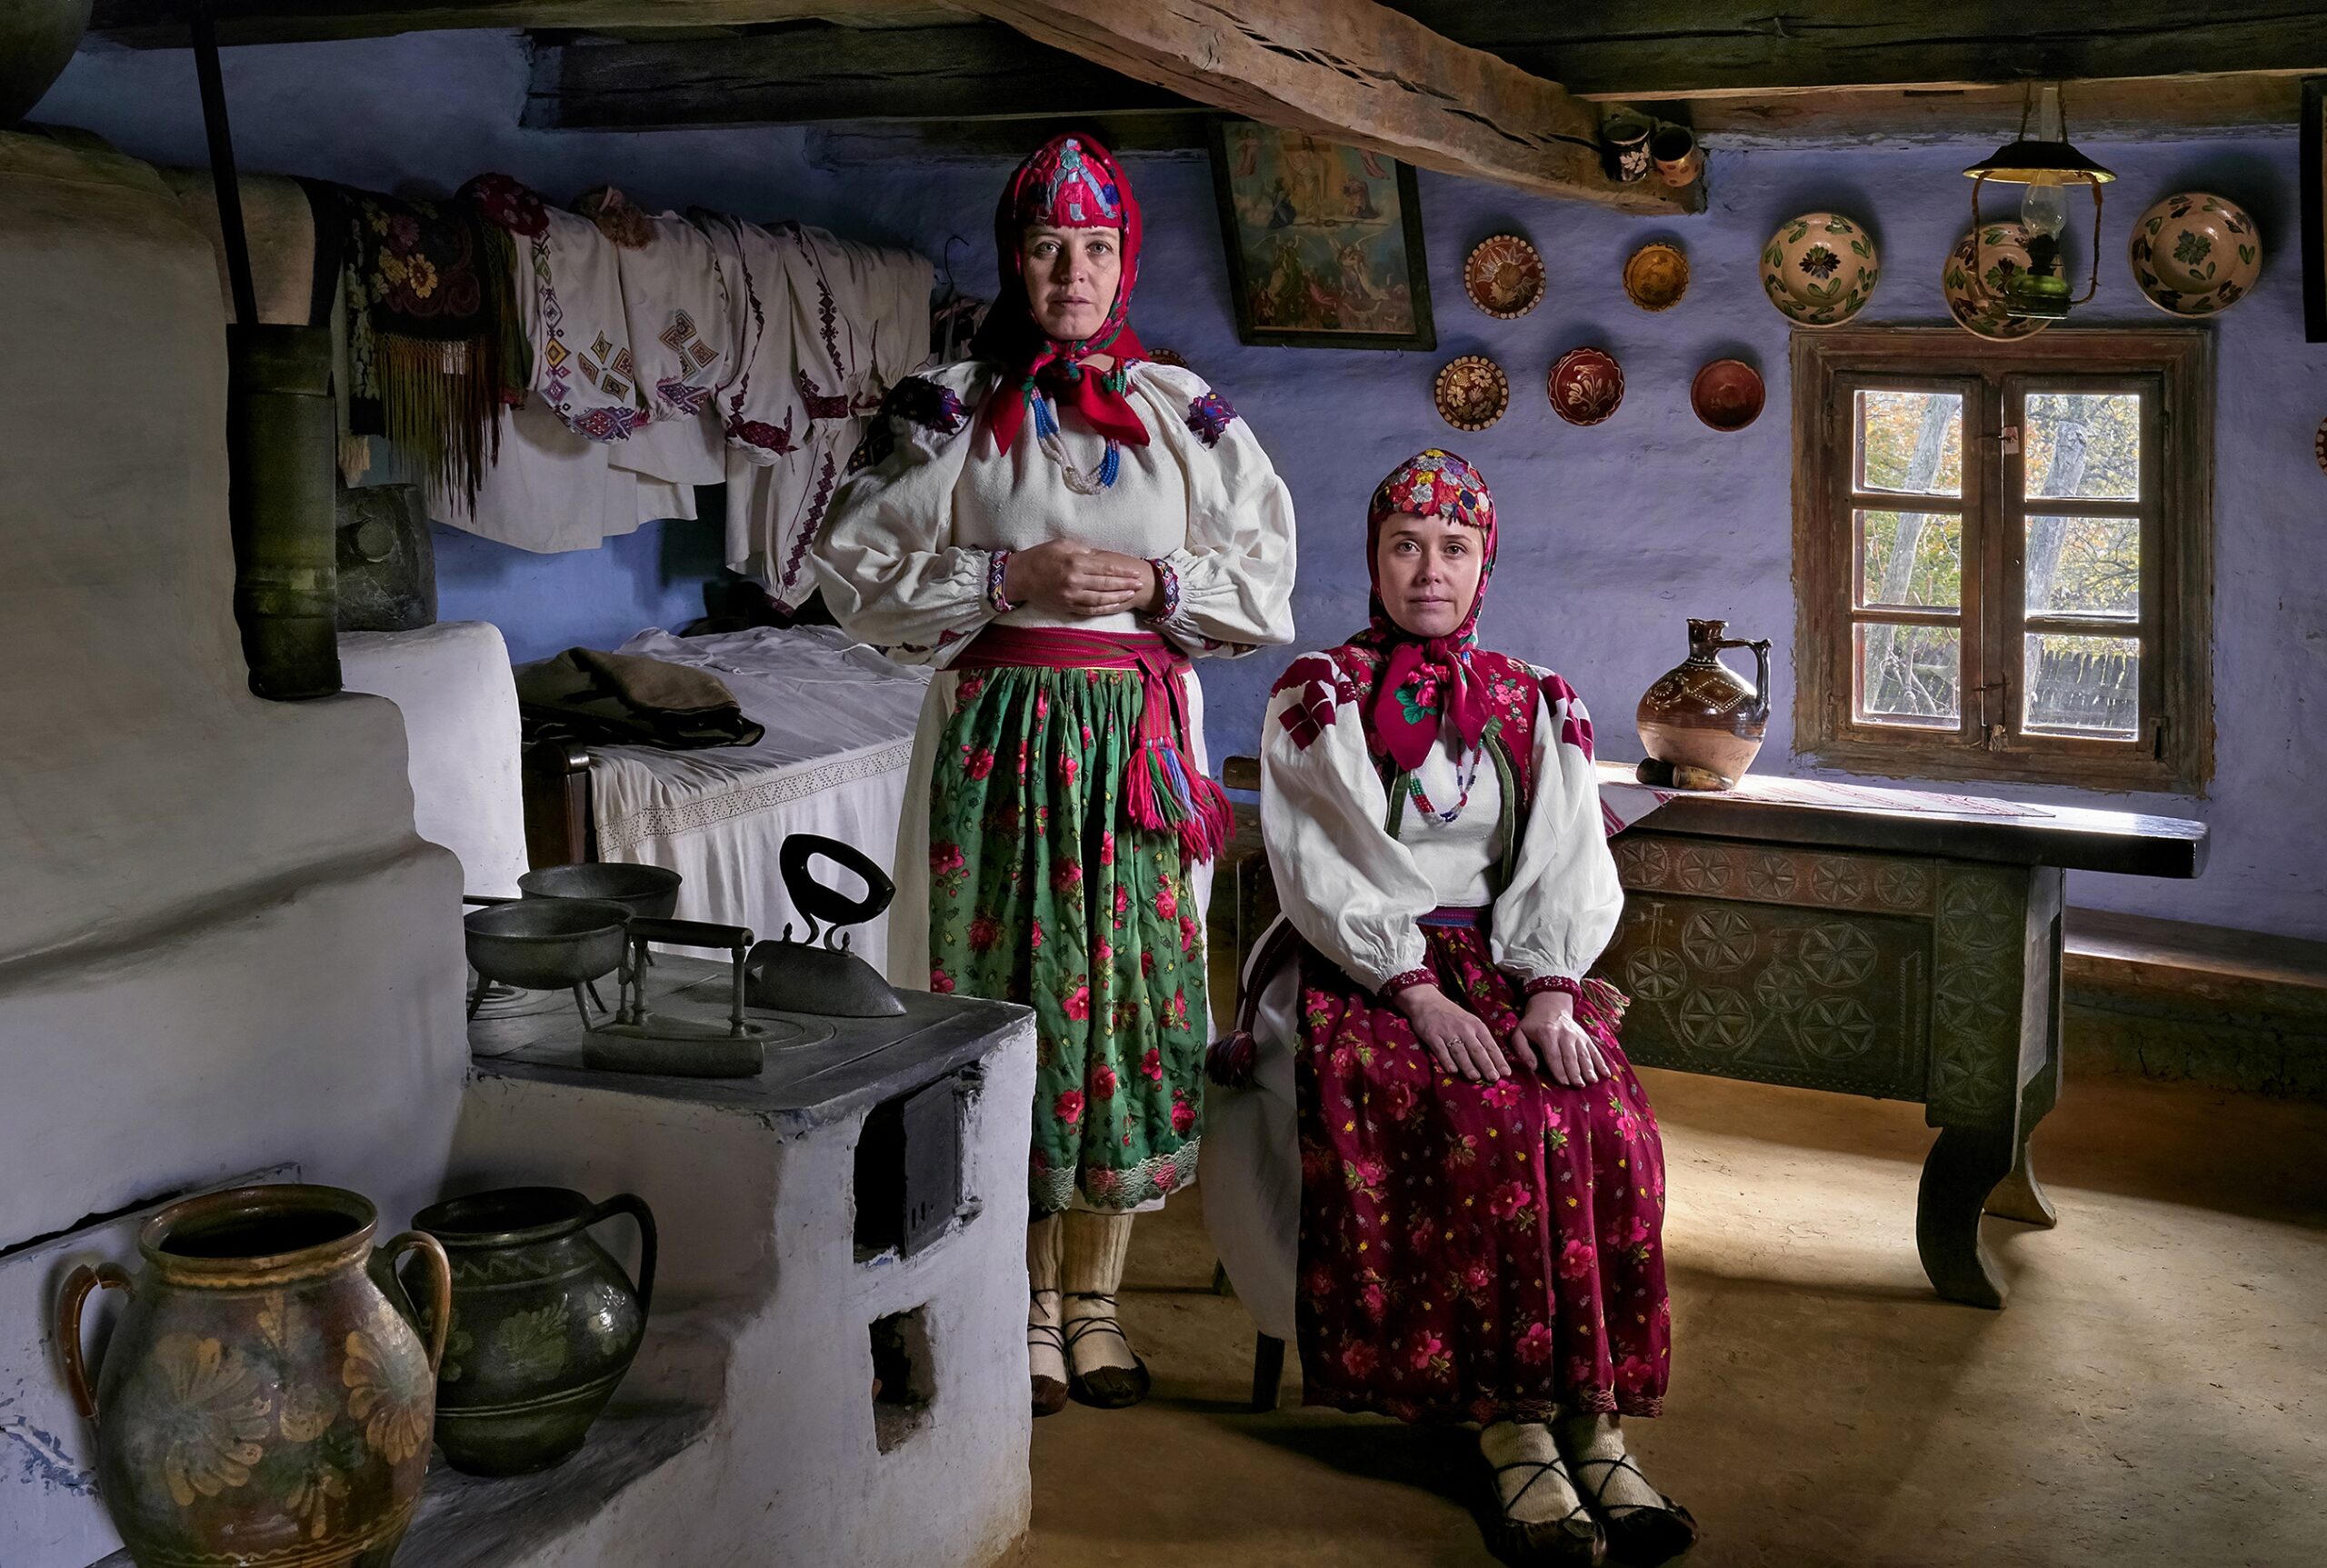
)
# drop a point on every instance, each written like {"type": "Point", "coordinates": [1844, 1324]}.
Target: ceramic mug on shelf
{"type": "Point", "coordinates": [1623, 145]}
{"type": "Point", "coordinates": [1677, 157]}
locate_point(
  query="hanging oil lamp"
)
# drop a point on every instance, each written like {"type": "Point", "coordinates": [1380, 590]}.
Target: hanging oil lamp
{"type": "Point", "coordinates": [2047, 166]}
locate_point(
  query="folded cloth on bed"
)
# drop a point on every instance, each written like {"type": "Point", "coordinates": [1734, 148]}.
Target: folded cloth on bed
{"type": "Point", "coordinates": [616, 699]}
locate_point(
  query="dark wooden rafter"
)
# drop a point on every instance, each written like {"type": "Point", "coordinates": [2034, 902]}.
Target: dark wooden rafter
{"type": "Point", "coordinates": [1357, 73]}
{"type": "Point", "coordinates": [164, 22]}
{"type": "Point", "coordinates": [821, 74]}
{"type": "Point", "coordinates": [1711, 48]}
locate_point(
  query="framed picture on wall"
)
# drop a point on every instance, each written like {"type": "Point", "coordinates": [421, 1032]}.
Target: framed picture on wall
{"type": "Point", "coordinates": [1324, 242]}
{"type": "Point", "coordinates": [2314, 209]}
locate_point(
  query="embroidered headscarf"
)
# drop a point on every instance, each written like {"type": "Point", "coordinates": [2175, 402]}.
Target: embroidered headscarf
{"type": "Point", "coordinates": [1070, 183]}
{"type": "Point", "coordinates": [1427, 682]}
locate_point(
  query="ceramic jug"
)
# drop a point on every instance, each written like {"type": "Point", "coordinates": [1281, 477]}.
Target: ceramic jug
{"type": "Point", "coordinates": [545, 1323]}
{"type": "Point", "coordinates": [1701, 713]}
{"type": "Point", "coordinates": [263, 1400]}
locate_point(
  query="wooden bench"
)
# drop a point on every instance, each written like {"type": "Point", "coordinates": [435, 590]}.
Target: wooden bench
{"type": "Point", "coordinates": [2176, 1002]}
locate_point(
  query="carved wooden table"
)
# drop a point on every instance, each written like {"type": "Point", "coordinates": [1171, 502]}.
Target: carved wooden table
{"type": "Point", "coordinates": [1896, 945]}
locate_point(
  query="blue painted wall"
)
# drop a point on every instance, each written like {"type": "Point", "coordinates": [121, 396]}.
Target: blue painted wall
{"type": "Point", "coordinates": [1613, 534]}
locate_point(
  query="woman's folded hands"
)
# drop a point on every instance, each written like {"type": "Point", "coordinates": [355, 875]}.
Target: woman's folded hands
{"type": "Point", "coordinates": [1547, 1040]}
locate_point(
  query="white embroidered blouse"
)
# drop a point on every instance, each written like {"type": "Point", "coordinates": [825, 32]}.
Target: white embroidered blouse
{"type": "Point", "coordinates": [1356, 893]}
{"type": "Point", "coordinates": [908, 558]}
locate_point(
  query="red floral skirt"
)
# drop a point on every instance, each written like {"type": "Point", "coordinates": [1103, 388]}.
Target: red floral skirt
{"type": "Point", "coordinates": [1474, 1252]}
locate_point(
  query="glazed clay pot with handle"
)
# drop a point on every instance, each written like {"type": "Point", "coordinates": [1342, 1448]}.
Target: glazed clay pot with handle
{"type": "Point", "coordinates": [263, 1400]}
{"type": "Point", "coordinates": [545, 1323]}
{"type": "Point", "coordinates": [1701, 713]}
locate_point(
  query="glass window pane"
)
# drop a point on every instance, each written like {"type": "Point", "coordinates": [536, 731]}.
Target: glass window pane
{"type": "Point", "coordinates": [1910, 559]}
{"type": "Point", "coordinates": [2084, 566]}
{"type": "Point", "coordinates": [1910, 441]}
{"type": "Point", "coordinates": [2084, 686]}
{"type": "Point", "coordinates": [2083, 444]}
{"type": "Point", "coordinates": [1909, 675]}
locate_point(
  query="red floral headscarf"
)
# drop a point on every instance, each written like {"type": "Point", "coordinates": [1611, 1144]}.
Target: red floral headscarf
{"type": "Point", "coordinates": [1427, 682]}
{"type": "Point", "coordinates": [1071, 182]}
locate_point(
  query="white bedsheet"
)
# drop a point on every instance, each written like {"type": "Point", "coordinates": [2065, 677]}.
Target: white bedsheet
{"type": "Point", "coordinates": [840, 722]}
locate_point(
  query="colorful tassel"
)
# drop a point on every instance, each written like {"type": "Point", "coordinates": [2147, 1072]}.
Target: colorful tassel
{"type": "Point", "coordinates": [1232, 1061]}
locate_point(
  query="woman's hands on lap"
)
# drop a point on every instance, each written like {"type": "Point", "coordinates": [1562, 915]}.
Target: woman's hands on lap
{"type": "Point", "coordinates": [1066, 578]}
{"type": "Point", "coordinates": [1453, 1034]}
{"type": "Point", "coordinates": [1551, 1041]}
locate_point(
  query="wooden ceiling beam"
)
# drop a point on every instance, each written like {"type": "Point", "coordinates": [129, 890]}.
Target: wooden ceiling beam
{"type": "Point", "coordinates": [164, 24]}
{"type": "Point", "coordinates": [811, 74]}
{"type": "Point", "coordinates": [1354, 72]}
{"type": "Point", "coordinates": [1703, 49]}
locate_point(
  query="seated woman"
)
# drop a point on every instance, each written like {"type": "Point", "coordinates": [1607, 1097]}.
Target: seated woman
{"type": "Point", "coordinates": [1481, 1185]}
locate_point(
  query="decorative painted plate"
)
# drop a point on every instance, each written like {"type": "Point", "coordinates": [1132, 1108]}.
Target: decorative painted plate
{"type": "Point", "coordinates": [1585, 385]}
{"type": "Point", "coordinates": [1976, 299]}
{"type": "Point", "coordinates": [2319, 446]}
{"type": "Point", "coordinates": [1727, 394]}
{"type": "Point", "coordinates": [1472, 392]}
{"type": "Point", "coordinates": [1656, 277]}
{"type": "Point", "coordinates": [1820, 269]}
{"type": "Point", "coordinates": [2194, 254]}
{"type": "Point", "coordinates": [1503, 276]}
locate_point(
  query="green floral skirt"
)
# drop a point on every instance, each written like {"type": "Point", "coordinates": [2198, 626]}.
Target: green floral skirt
{"type": "Point", "coordinates": [1042, 892]}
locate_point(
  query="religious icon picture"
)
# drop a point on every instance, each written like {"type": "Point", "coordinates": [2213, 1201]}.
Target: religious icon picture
{"type": "Point", "coordinates": [1324, 242]}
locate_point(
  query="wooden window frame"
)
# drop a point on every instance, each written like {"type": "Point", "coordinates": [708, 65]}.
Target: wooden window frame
{"type": "Point", "coordinates": [2175, 753]}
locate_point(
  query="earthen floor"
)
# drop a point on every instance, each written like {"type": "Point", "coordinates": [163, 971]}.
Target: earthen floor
{"type": "Point", "coordinates": [2152, 1392]}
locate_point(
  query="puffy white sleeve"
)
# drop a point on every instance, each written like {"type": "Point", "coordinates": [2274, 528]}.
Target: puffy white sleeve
{"type": "Point", "coordinates": [1347, 886]}
{"type": "Point", "coordinates": [890, 571]}
{"type": "Point", "coordinates": [1556, 916]}
{"type": "Point", "coordinates": [1229, 590]}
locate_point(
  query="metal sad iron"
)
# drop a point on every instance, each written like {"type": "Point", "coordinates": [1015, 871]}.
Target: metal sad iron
{"type": "Point", "coordinates": [826, 980]}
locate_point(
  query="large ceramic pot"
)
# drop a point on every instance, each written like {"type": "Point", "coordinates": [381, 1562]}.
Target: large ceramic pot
{"type": "Point", "coordinates": [545, 1323]}
{"type": "Point", "coordinates": [37, 38]}
{"type": "Point", "coordinates": [262, 1401]}
{"type": "Point", "coordinates": [1701, 713]}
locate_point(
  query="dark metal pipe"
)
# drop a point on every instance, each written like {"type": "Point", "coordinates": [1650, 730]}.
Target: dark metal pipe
{"type": "Point", "coordinates": [221, 165]}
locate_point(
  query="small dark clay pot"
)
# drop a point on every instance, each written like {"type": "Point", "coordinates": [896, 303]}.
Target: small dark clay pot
{"type": "Point", "coordinates": [545, 1323]}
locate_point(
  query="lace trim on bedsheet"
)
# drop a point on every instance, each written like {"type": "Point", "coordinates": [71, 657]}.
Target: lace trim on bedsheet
{"type": "Point", "coordinates": [617, 839]}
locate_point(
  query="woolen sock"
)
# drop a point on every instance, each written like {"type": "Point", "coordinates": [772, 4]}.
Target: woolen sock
{"type": "Point", "coordinates": [1541, 1496]}
{"type": "Point", "coordinates": [1096, 1246]}
{"type": "Point", "coordinates": [1044, 1245]}
{"type": "Point", "coordinates": [1586, 1439]}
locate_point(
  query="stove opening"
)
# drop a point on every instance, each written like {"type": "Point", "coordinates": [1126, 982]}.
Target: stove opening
{"type": "Point", "coordinates": [903, 1376]}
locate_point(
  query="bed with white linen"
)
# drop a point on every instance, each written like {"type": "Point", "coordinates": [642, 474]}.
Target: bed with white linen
{"type": "Point", "coordinates": [840, 722]}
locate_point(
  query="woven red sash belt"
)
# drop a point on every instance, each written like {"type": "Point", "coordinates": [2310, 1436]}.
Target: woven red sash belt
{"type": "Point", "coordinates": [1163, 788]}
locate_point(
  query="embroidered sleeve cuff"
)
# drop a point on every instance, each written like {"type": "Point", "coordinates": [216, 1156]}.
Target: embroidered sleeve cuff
{"type": "Point", "coordinates": [1168, 576]}
{"type": "Point", "coordinates": [998, 567]}
{"type": "Point", "coordinates": [1397, 982]}
{"type": "Point", "coordinates": [1543, 982]}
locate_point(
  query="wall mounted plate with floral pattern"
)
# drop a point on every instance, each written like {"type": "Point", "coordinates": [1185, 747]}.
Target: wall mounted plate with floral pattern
{"type": "Point", "coordinates": [1585, 385]}
{"type": "Point", "coordinates": [1820, 269]}
{"type": "Point", "coordinates": [1472, 392]}
{"type": "Point", "coordinates": [1975, 297]}
{"type": "Point", "coordinates": [1503, 276]}
{"type": "Point", "coordinates": [2194, 254]}
{"type": "Point", "coordinates": [1656, 275]}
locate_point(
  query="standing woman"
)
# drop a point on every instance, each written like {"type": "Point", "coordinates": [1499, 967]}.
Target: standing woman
{"type": "Point", "coordinates": [1480, 1186]}
{"type": "Point", "coordinates": [1060, 524]}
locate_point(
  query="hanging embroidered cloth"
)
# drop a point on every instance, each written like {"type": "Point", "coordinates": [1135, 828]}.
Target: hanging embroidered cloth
{"type": "Point", "coordinates": [570, 285]}
{"type": "Point", "coordinates": [436, 350]}
{"type": "Point", "coordinates": [675, 300]}
{"type": "Point", "coordinates": [842, 323]}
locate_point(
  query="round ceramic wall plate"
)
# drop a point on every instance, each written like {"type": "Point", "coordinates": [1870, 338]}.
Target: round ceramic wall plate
{"type": "Point", "coordinates": [2319, 446]}
{"type": "Point", "coordinates": [2194, 254]}
{"type": "Point", "coordinates": [1503, 276]}
{"type": "Point", "coordinates": [1656, 277]}
{"type": "Point", "coordinates": [1820, 269]}
{"type": "Point", "coordinates": [1974, 288]}
{"type": "Point", "coordinates": [1472, 392]}
{"type": "Point", "coordinates": [1727, 394]}
{"type": "Point", "coordinates": [1585, 385]}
